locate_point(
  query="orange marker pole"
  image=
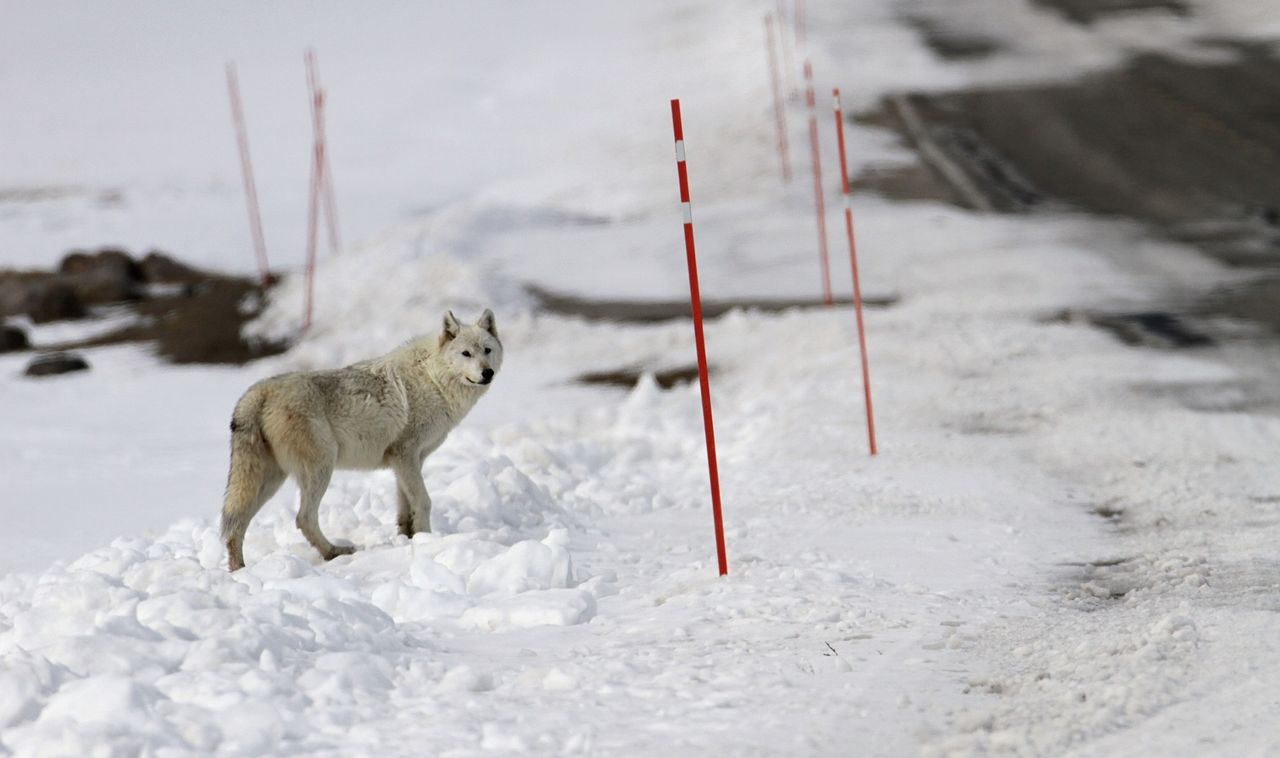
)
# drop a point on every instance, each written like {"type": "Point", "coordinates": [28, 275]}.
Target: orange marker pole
{"type": "Point", "coordinates": [788, 47]}
{"type": "Point", "coordinates": [326, 172]}
{"type": "Point", "coordinates": [317, 184]}
{"type": "Point", "coordinates": [246, 172]}
{"type": "Point", "coordinates": [695, 301]}
{"type": "Point", "coordinates": [779, 112]}
{"type": "Point", "coordinates": [819, 204]}
{"type": "Point", "coordinates": [853, 264]}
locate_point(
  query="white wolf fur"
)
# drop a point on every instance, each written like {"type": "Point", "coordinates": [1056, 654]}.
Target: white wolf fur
{"type": "Point", "coordinates": [388, 412]}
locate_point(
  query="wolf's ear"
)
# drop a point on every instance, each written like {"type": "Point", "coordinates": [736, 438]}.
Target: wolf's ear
{"type": "Point", "coordinates": [451, 327]}
{"type": "Point", "coordinates": [485, 322]}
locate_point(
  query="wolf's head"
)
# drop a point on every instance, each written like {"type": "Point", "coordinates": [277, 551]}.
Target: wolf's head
{"type": "Point", "coordinates": [471, 353]}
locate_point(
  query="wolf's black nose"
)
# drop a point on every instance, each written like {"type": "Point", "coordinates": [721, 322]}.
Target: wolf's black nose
{"type": "Point", "coordinates": [487, 375]}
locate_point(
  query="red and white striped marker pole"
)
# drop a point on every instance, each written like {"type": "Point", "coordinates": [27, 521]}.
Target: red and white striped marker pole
{"type": "Point", "coordinates": [800, 24]}
{"type": "Point", "coordinates": [325, 178]}
{"type": "Point", "coordinates": [246, 172]}
{"type": "Point", "coordinates": [779, 112]}
{"type": "Point", "coordinates": [817, 183]}
{"type": "Point", "coordinates": [695, 300]}
{"type": "Point", "coordinates": [788, 45]}
{"type": "Point", "coordinates": [853, 264]}
{"type": "Point", "coordinates": [313, 198]}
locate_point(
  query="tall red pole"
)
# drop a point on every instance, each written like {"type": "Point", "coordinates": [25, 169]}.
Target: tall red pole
{"type": "Point", "coordinates": [800, 23]}
{"type": "Point", "coordinates": [695, 301]}
{"type": "Point", "coordinates": [317, 181]}
{"type": "Point", "coordinates": [330, 207]}
{"type": "Point", "coordinates": [853, 264]}
{"type": "Point", "coordinates": [779, 112]}
{"type": "Point", "coordinates": [325, 178]}
{"type": "Point", "coordinates": [788, 46]}
{"type": "Point", "coordinates": [819, 205]}
{"type": "Point", "coordinates": [246, 173]}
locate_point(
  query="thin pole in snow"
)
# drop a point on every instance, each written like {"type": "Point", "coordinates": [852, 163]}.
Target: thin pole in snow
{"type": "Point", "coordinates": [800, 23]}
{"type": "Point", "coordinates": [819, 205]}
{"type": "Point", "coordinates": [695, 301]}
{"type": "Point", "coordinates": [246, 172]}
{"type": "Point", "coordinates": [779, 112]}
{"type": "Point", "coordinates": [326, 171]}
{"type": "Point", "coordinates": [317, 180]}
{"type": "Point", "coordinates": [788, 47]}
{"type": "Point", "coordinates": [853, 263]}
{"type": "Point", "coordinates": [321, 190]}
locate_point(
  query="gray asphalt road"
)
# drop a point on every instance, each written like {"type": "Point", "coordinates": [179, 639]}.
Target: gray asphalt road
{"type": "Point", "coordinates": [1190, 149]}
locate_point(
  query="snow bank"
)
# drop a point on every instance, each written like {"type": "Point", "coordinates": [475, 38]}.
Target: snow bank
{"type": "Point", "coordinates": [153, 643]}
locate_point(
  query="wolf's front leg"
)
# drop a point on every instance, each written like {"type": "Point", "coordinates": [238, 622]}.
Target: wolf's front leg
{"type": "Point", "coordinates": [414, 513]}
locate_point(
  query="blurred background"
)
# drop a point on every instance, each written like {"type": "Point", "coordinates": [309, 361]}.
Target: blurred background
{"type": "Point", "coordinates": [519, 155]}
{"type": "Point", "coordinates": [1068, 228]}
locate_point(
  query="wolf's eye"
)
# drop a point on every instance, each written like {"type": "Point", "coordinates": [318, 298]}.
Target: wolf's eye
{"type": "Point", "coordinates": [466, 353]}
{"type": "Point", "coordinates": [487, 351]}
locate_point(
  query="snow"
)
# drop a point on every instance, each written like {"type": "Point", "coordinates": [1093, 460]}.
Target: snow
{"type": "Point", "coordinates": [955, 595]}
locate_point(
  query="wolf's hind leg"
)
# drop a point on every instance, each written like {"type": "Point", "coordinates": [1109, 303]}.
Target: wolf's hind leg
{"type": "Point", "coordinates": [313, 483]}
{"type": "Point", "coordinates": [236, 516]}
{"type": "Point", "coordinates": [253, 479]}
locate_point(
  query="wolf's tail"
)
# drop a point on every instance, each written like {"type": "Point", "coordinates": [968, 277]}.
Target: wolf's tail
{"type": "Point", "coordinates": [250, 457]}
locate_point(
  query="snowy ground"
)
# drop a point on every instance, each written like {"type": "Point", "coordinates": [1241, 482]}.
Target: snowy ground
{"type": "Point", "coordinates": [958, 594]}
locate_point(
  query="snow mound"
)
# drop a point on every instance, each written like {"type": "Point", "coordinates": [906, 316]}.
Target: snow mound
{"type": "Point", "coordinates": [406, 277]}
{"type": "Point", "coordinates": [154, 643]}
{"type": "Point", "coordinates": [145, 642]}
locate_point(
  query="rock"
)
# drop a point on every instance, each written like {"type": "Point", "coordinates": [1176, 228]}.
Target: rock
{"type": "Point", "coordinates": [52, 300]}
{"type": "Point", "coordinates": [13, 339]}
{"type": "Point", "coordinates": [118, 261]}
{"type": "Point", "coordinates": [103, 285]}
{"type": "Point", "coordinates": [108, 276]}
{"type": "Point", "coordinates": [158, 268]}
{"type": "Point", "coordinates": [75, 262]}
{"type": "Point", "coordinates": [52, 364]}
{"type": "Point", "coordinates": [13, 295]}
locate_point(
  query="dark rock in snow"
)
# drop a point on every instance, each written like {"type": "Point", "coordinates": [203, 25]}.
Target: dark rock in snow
{"type": "Point", "coordinates": [13, 294]}
{"type": "Point", "coordinates": [57, 363]}
{"type": "Point", "coordinates": [158, 268]}
{"type": "Point", "coordinates": [13, 339]}
{"type": "Point", "coordinates": [116, 261]}
{"type": "Point", "coordinates": [51, 300]}
{"type": "Point", "coordinates": [108, 276]}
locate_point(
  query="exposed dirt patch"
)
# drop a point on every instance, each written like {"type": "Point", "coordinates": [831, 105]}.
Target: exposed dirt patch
{"type": "Point", "coordinates": [1089, 11]}
{"type": "Point", "coordinates": [629, 311]}
{"type": "Point", "coordinates": [1110, 512]}
{"type": "Point", "coordinates": [916, 182]}
{"type": "Point", "coordinates": [200, 324]}
{"type": "Point", "coordinates": [1257, 301]}
{"type": "Point", "coordinates": [188, 315]}
{"type": "Point", "coordinates": [951, 44]}
{"type": "Point", "coordinates": [630, 377]}
{"type": "Point", "coordinates": [1147, 328]}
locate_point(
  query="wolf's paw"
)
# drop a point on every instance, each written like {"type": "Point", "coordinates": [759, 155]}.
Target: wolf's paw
{"type": "Point", "coordinates": [340, 550]}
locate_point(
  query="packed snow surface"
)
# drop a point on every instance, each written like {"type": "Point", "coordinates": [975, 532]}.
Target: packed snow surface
{"type": "Point", "coordinates": [1064, 547]}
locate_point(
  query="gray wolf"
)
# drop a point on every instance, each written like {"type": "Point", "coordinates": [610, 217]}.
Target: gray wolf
{"type": "Point", "coordinates": [388, 412]}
